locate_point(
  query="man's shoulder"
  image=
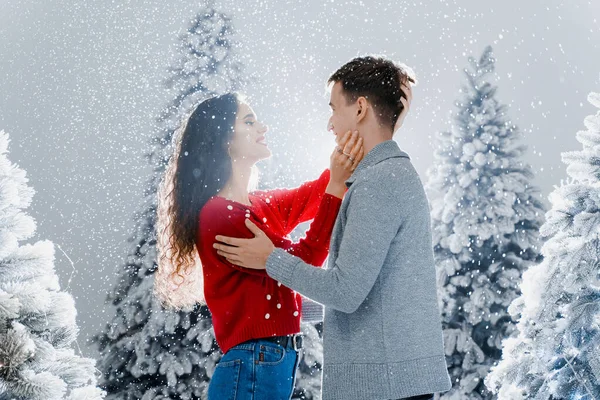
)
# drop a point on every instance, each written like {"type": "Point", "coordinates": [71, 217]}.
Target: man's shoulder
{"type": "Point", "coordinates": [391, 171]}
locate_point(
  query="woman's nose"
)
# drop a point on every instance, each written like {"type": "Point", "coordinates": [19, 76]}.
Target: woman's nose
{"type": "Point", "coordinates": [264, 128]}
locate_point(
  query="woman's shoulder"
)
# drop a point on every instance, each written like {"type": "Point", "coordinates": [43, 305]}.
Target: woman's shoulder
{"type": "Point", "coordinates": [218, 208]}
{"type": "Point", "coordinates": [214, 204]}
{"type": "Point", "coordinates": [261, 196]}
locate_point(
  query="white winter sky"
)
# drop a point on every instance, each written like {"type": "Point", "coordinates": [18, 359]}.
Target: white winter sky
{"type": "Point", "coordinates": [81, 85]}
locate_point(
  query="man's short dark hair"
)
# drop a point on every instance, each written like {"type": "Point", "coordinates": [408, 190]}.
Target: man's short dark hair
{"type": "Point", "coordinates": [378, 80]}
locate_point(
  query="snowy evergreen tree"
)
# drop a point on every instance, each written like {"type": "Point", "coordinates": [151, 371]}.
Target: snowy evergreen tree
{"type": "Point", "coordinates": [308, 376]}
{"type": "Point", "coordinates": [149, 352]}
{"type": "Point", "coordinates": [485, 221]}
{"type": "Point", "coordinates": [37, 319]}
{"type": "Point", "coordinates": [556, 354]}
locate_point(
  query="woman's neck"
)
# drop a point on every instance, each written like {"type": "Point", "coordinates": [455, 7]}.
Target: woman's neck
{"type": "Point", "coordinates": [236, 188]}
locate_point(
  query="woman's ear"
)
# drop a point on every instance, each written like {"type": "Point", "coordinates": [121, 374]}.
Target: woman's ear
{"type": "Point", "coordinates": [361, 111]}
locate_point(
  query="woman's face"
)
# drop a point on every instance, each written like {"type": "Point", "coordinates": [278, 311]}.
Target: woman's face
{"type": "Point", "coordinates": [249, 142]}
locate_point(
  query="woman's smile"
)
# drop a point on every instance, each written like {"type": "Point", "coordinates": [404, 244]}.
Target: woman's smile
{"type": "Point", "coordinates": [262, 140]}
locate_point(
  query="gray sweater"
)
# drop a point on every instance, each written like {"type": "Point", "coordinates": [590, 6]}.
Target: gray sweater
{"type": "Point", "coordinates": [382, 325]}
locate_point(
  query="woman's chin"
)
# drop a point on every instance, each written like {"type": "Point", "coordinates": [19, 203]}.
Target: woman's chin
{"type": "Point", "coordinates": [266, 156]}
{"type": "Point", "coordinates": [265, 153]}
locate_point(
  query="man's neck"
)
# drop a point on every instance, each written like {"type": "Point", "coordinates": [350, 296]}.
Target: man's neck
{"type": "Point", "coordinates": [373, 137]}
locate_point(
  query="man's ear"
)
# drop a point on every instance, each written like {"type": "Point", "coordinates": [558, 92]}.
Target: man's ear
{"type": "Point", "coordinates": [361, 111]}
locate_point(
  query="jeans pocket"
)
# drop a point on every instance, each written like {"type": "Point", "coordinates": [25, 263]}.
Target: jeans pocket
{"type": "Point", "coordinates": [224, 382]}
{"type": "Point", "coordinates": [270, 354]}
{"type": "Point", "coordinates": [275, 380]}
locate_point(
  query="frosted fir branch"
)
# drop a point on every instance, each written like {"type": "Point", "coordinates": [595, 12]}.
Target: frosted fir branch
{"type": "Point", "coordinates": [16, 347]}
{"type": "Point", "coordinates": [72, 267]}
{"type": "Point", "coordinates": [86, 393]}
{"type": "Point", "coordinates": [30, 385]}
{"type": "Point", "coordinates": [589, 391]}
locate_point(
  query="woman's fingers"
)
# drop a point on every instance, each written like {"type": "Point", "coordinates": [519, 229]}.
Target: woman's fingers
{"type": "Point", "coordinates": [356, 147]}
{"type": "Point", "coordinates": [406, 88]}
{"type": "Point", "coordinates": [360, 156]}
{"type": "Point", "coordinates": [405, 103]}
{"type": "Point", "coordinates": [347, 156]}
{"type": "Point", "coordinates": [349, 151]}
{"type": "Point", "coordinates": [344, 139]}
{"type": "Point", "coordinates": [405, 99]}
{"type": "Point", "coordinates": [357, 152]}
{"type": "Point", "coordinates": [350, 143]}
{"type": "Point", "coordinates": [353, 157]}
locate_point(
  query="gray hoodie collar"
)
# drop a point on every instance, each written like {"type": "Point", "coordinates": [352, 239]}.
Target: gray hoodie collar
{"type": "Point", "coordinates": [379, 153]}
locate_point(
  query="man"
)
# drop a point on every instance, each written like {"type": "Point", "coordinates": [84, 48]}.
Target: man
{"type": "Point", "coordinates": [382, 326]}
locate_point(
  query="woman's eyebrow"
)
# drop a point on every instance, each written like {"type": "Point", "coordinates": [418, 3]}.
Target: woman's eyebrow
{"type": "Point", "coordinates": [249, 116]}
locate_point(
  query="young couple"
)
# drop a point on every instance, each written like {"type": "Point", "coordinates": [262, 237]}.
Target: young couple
{"type": "Point", "coordinates": [228, 246]}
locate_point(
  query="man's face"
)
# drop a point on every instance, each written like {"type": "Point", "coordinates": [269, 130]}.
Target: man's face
{"type": "Point", "coordinates": [343, 115]}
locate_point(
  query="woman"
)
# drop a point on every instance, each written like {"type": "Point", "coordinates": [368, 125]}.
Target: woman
{"type": "Point", "coordinates": [204, 194]}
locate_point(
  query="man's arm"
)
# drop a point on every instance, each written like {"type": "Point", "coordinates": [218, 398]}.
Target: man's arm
{"type": "Point", "coordinates": [373, 220]}
{"type": "Point", "coordinates": [311, 311]}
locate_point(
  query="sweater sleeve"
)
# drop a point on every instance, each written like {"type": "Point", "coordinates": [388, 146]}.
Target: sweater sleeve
{"type": "Point", "coordinates": [311, 311]}
{"type": "Point", "coordinates": [294, 206]}
{"type": "Point", "coordinates": [372, 221]}
{"type": "Point", "coordinates": [314, 246]}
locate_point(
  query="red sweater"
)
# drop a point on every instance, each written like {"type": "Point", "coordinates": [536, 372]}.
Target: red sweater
{"type": "Point", "coordinates": [248, 304]}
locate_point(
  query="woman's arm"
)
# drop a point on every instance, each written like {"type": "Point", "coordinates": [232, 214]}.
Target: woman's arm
{"type": "Point", "coordinates": [294, 206]}
{"type": "Point", "coordinates": [314, 247]}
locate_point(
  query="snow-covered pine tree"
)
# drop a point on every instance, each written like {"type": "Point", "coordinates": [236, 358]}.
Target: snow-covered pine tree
{"type": "Point", "coordinates": [556, 354]}
{"type": "Point", "coordinates": [149, 352]}
{"type": "Point", "coordinates": [37, 319]}
{"type": "Point", "coordinates": [308, 376]}
{"type": "Point", "coordinates": [485, 220]}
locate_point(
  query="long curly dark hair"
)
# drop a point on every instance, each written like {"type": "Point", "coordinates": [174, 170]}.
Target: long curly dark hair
{"type": "Point", "coordinates": [198, 169]}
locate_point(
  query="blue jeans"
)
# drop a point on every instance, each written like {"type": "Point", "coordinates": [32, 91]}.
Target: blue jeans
{"type": "Point", "coordinates": [255, 370]}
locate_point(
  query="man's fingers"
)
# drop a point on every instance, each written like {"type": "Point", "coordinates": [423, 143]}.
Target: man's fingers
{"type": "Point", "coordinates": [229, 240]}
{"type": "Point", "coordinates": [233, 260]}
{"type": "Point", "coordinates": [226, 249]}
{"type": "Point", "coordinates": [253, 228]}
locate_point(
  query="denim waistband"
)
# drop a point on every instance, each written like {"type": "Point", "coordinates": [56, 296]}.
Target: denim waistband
{"type": "Point", "coordinates": [252, 343]}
